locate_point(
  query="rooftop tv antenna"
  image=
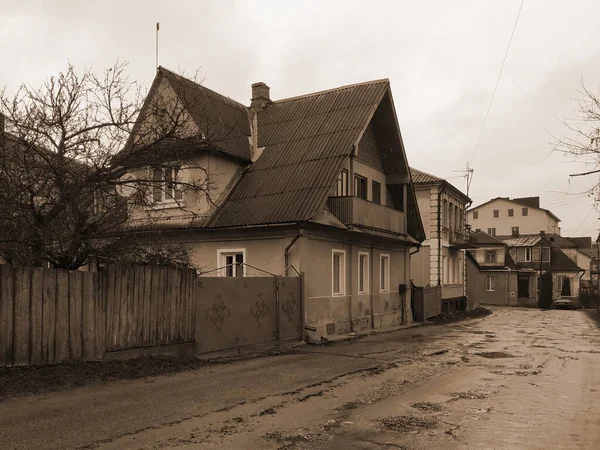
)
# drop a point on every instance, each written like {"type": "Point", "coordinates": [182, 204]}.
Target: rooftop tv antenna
{"type": "Point", "coordinates": [468, 175]}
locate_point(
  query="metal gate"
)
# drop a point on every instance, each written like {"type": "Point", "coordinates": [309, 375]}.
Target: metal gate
{"type": "Point", "coordinates": [235, 312]}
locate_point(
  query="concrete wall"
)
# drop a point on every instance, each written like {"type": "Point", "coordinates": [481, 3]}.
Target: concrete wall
{"type": "Point", "coordinates": [533, 223]}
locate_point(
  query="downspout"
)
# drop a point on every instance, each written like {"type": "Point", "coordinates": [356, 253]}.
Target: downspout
{"type": "Point", "coordinates": [286, 258]}
{"type": "Point", "coordinates": [439, 230]}
{"type": "Point", "coordinates": [465, 274]}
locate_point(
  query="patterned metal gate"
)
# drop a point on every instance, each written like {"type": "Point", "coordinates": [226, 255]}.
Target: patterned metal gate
{"type": "Point", "coordinates": [235, 312]}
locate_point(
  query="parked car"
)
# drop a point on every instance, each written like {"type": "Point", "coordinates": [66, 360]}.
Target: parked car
{"type": "Point", "coordinates": [567, 302]}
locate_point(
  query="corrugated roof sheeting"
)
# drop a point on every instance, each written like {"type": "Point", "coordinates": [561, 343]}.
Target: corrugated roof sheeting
{"type": "Point", "coordinates": [306, 141]}
{"type": "Point", "coordinates": [419, 177]}
{"type": "Point", "coordinates": [224, 121]}
{"type": "Point", "coordinates": [522, 241]}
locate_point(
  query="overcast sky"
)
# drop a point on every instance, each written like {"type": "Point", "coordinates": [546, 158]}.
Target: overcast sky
{"type": "Point", "coordinates": [442, 58]}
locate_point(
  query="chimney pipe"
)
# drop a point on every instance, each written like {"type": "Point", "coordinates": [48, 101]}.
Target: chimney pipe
{"type": "Point", "coordinates": [260, 96]}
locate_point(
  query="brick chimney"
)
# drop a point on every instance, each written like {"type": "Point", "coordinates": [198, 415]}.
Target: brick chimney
{"type": "Point", "coordinates": [260, 96]}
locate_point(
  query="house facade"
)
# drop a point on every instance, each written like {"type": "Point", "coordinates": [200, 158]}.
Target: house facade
{"type": "Point", "coordinates": [503, 216]}
{"type": "Point", "coordinates": [441, 259]}
{"type": "Point", "coordinates": [518, 267]}
{"type": "Point", "coordinates": [492, 275]}
{"type": "Point", "coordinates": [319, 182]}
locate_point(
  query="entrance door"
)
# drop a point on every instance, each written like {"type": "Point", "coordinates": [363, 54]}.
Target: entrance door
{"type": "Point", "coordinates": [523, 286]}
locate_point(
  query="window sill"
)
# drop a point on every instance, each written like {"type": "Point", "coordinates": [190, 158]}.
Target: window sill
{"type": "Point", "coordinates": [384, 291]}
{"type": "Point", "coordinates": [166, 205]}
{"type": "Point", "coordinates": [363, 293]}
{"type": "Point", "coordinates": [339, 294]}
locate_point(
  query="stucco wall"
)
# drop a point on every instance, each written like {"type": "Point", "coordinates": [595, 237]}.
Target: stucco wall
{"type": "Point", "coordinates": [419, 266]}
{"type": "Point", "coordinates": [533, 223]}
{"type": "Point", "coordinates": [351, 311]}
{"type": "Point", "coordinates": [476, 284]}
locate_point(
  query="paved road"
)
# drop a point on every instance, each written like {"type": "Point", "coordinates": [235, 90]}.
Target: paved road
{"type": "Point", "coordinates": [518, 379]}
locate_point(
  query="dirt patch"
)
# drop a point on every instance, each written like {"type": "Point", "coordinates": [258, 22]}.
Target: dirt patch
{"type": "Point", "coordinates": [495, 355]}
{"type": "Point", "coordinates": [427, 406]}
{"type": "Point", "coordinates": [407, 423]}
{"type": "Point", "coordinates": [470, 395]}
{"type": "Point", "coordinates": [461, 315]}
{"type": "Point", "coordinates": [16, 381]}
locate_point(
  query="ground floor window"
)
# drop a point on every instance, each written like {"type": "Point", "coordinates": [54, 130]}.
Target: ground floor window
{"type": "Point", "coordinates": [490, 283]}
{"type": "Point", "coordinates": [338, 268]}
{"type": "Point", "coordinates": [231, 262]}
{"type": "Point", "coordinates": [384, 269]}
{"type": "Point", "coordinates": [363, 273]}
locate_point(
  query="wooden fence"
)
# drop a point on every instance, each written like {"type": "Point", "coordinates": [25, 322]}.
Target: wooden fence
{"type": "Point", "coordinates": [49, 316]}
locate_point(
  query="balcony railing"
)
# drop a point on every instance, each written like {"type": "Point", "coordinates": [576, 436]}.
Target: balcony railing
{"type": "Point", "coordinates": [354, 211]}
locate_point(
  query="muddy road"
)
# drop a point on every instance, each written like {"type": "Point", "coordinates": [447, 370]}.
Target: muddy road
{"type": "Point", "coordinates": [518, 379]}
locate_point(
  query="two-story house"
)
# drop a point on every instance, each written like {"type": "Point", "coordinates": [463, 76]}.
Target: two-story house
{"type": "Point", "coordinates": [319, 181]}
{"type": "Point", "coordinates": [503, 216]}
{"type": "Point", "coordinates": [441, 259]}
{"type": "Point", "coordinates": [492, 275]}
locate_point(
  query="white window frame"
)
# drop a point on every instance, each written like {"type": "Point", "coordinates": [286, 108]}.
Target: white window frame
{"type": "Point", "coordinates": [342, 274]}
{"type": "Point", "coordinates": [490, 252]}
{"type": "Point", "coordinates": [168, 199]}
{"type": "Point", "coordinates": [490, 287]}
{"type": "Point", "coordinates": [528, 252]}
{"type": "Point", "coordinates": [224, 252]}
{"type": "Point", "coordinates": [560, 280]}
{"type": "Point", "coordinates": [386, 274]}
{"type": "Point", "coordinates": [366, 280]}
{"type": "Point", "coordinates": [492, 231]}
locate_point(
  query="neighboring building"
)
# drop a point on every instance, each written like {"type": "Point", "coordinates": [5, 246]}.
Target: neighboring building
{"type": "Point", "coordinates": [441, 259]}
{"type": "Point", "coordinates": [320, 182]}
{"type": "Point", "coordinates": [522, 267]}
{"type": "Point", "coordinates": [492, 276]}
{"type": "Point", "coordinates": [503, 216]}
{"type": "Point", "coordinates": [583, 255]}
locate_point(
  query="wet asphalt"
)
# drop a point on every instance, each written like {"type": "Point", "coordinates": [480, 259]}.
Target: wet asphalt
{"type": "Point", "coordinates": [517, 379]}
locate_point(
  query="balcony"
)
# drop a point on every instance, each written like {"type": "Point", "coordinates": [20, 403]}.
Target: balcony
{"type": "Point", "coordinates": [354, 211]}
{"type": "Point", "coordinates": [463, 240]}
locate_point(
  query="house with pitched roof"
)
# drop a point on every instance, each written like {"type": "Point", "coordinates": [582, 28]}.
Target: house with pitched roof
{"type": "Point", "coordinates": [502, 216]}
{"type": "Point", "coordinates": [319, 182]}
{"type": "Point", "coordinates": [441, 259]}
{"type": "Point", "coordinates": [491, 272]}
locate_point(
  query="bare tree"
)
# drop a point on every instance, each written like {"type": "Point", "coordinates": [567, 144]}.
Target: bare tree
{"type": "Point", "coordinates": [581, 139]}
{"type": "Point", "coordinates": [84, 155]}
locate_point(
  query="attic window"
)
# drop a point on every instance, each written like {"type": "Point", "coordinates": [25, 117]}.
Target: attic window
{"type": "Point", "coordinates": [525, 211]}
{"type": "Point", "coordinates": [475, 214]}
{"type": "Point", "coordinates": [164, 189]}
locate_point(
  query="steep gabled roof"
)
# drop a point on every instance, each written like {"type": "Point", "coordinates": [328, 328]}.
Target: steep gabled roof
{"type": "Point", "coordinates": [561, 262]}
{"type": "Point", "coordinates": [225, 119]}
{"type": "Point", "coordinates": [306, 141]}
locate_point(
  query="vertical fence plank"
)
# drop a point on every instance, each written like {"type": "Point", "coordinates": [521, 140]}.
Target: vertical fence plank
{"type": "Point", "coordinates": [160, 303]}
{"type": "Point", "coordinates": [139, 306]}
{"type": "Point", "coordinates": [109, 295]}
{"type": "Point", "coordinates": [61, 345]}
{"type": "Point", "coordinates": [175, 304]}
{"type": "Point", "coordinates": [75, 314]}
{"type": "Point", "coordinates": [130, 306]}
{"type": "Point", "coordinates": [123, 278]}
{"type": "Point", "coordinates": [22, 312]}
{"type": "Point", "coordinates": [186, 288]}
{"type": "Point", "coordinates": [181, 310]}
{"type": "Point", "coordinates": [88, 306]}
{"type": "Point", "coordinates": [169, 297]}
{"type": "Point", "coordinates": [146, 303]}
{"type": "Point", "coordinates": [191, 305]}
{"type": "Point", "coordinates": [6, 316]}
{"type": "Point", "coordinates": [116, 307]}
{"type": "Point", "coordinates": [48, 315]}
{"type": "Point", "coordinates": [154, 300]}
{"type": "Point", "coordinates": [101, 313]}
{"type": "Point", "coordinates": [36, 302]}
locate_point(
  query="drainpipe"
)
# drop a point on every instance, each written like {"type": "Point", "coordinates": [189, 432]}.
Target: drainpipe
{"type": "Point", "coordinates": [439, 230]}
{"type": "Point", "coordinates": [287, 251]}
{"type": "Point", "coordinates": [465, 275]}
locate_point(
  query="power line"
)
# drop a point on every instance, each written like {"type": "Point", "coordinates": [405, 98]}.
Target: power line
{"type": "Point", "coordinates": [497, 81]}
{"type": "Point", "coordinates": [582, 222]}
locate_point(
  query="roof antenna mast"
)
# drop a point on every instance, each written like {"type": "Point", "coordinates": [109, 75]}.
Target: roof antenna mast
{"type": "Point", "coordinates": [468, 174]}
{"type": "Point", "coordinates": [157, 30]}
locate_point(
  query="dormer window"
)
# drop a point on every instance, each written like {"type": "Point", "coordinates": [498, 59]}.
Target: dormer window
{"type": "Point", "coordinates": [165, 189]}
